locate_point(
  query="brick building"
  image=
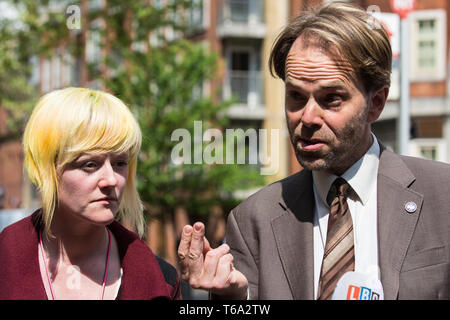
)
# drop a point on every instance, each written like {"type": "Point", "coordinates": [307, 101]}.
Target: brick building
{"type": "Point", "coordinates": [11, 178]}
{"type": "Point", "coordinates": [242, 32]}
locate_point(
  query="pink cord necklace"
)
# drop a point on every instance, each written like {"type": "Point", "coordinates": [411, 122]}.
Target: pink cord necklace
{"type": "Point", "coordinates": [106, 265]}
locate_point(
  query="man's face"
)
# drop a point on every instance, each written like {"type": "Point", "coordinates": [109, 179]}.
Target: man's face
{"type": "Point", "coordinates": [327, 114]}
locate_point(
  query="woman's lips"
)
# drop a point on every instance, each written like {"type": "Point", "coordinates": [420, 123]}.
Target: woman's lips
{"type": "Point", "coordinates": [106, 200]}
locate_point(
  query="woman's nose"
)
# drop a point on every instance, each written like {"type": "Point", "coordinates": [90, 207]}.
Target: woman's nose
{"type": "Point", "coordinates": [107, 176]}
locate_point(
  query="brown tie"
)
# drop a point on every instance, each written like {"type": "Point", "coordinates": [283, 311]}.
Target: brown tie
{"type": "Point", "coordinates": [339, 255]}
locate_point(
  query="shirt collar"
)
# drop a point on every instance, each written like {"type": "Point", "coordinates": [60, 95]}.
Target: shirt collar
{"type": "Point", "coordinates": [361, 175]}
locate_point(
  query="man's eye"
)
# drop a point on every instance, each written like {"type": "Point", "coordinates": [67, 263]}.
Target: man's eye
{"type": "Point", "coordinates": [294, 95]}
{"type": "Point", "coordinates": [296, 100]}
{"type": "Point", "coordinates": [333, 100]}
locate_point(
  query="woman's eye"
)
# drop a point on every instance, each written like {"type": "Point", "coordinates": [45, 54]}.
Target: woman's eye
{"type": "Point", "coordinates": [122, 163]}
{"type": "Point", "coordinates": [89, 165]}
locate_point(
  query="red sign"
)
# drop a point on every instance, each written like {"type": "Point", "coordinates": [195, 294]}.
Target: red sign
{"type": "Point", "coordinates": [403, 7]}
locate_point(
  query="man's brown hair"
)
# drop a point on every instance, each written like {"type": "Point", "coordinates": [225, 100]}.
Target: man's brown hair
{"type": "Point", "coordinates": [358, 37]}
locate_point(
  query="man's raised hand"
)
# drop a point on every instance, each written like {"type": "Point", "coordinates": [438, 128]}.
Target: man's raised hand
{"type": "Point", "coordinates": [209, 269]}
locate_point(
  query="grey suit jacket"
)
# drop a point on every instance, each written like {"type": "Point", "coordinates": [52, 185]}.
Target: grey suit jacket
{"type": "Point", "coordinates": [271, 233]}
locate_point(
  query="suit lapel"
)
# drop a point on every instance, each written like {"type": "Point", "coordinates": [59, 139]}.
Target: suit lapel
{"type": "Point", "coordinates": [293, 231]}
{"type": "Point", "coordinates": [395, 224]}
{"type": "Point", "coordinates": [293, 227]}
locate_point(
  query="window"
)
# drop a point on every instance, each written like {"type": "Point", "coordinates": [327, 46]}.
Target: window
{"type": "Point", "coordinates": [246, 142]}
{"type": "Point", "coordinates": [96, 4]}
{"type": "Point", "coordinates": [239, 75]}
{"type": "Point", "coordinates": [242, 11]}
{"type": "Point", "coordinates": [45, 75]}
{"type": "Point", "coordinates": [427, 44]}
{"type": "Point", "coordinates": [93, 47]}
{"type": "Point", "coordinates": [196, 15]}
{"type": "Point", "coordinates": [244, 76]}
{"type": "Point", "coordinates": [239, 10]}
{"type": "Point", "coordinates": [69, 62]}
{"type": "Point", "coordinates": [34, 78]}
{"type": "Point", "coordinates": [428, 152]}
{"type": "Point", "coordinates": [431, 149]}
{"type": "Point", "coordinates": [56, 71]}
{"type": "Point", "coordinates": [428, 37]}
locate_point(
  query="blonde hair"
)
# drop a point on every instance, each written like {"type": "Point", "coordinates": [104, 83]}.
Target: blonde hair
{"type": "Point", "coordinates": [68, 122]}
{"type": "Point", "coordinates": [349, 29]}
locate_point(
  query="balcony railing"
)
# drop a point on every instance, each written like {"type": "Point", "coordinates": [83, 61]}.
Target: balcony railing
{"type": "Point", "coordinates": [241, 18]}
{"type": "Point", "coordinates": [246, 87]}
{"type": "Point", "coordinates": [237, 10]}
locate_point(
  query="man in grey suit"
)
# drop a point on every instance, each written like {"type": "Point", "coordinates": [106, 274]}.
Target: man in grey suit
{"type": "Point", "coordinates": [336, 66]}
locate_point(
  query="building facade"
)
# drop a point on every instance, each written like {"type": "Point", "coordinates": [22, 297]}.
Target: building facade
{"type": "Point", "coordinates": [242, 33]}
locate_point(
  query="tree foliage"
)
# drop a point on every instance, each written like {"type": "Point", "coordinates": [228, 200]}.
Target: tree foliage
{"type": "Point", "coordinates": [144, 56]}
{"type": "Point", "coordinates": [17, 95]}
{"type": "Point", "coordinates": [163, 83]}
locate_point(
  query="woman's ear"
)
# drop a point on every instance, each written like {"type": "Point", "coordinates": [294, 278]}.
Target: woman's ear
{"type": "Point", "coordinates": [377, 100]}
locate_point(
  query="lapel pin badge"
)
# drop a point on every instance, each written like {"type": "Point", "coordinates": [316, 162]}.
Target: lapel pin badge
{"type": "Point", "coordinates": [410, 207]}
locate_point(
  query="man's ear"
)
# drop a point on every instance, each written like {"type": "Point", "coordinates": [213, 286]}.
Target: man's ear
{"type": "Point", "coordinates": [377, 100]}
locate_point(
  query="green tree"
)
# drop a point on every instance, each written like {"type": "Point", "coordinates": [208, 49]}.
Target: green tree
{"type": "Point", "coordinates": [162, 83]}
{"type": "Point", "coordinates": [17, 95]}
{"type": "Point", "coordinates": [29, 30]}
{"type": "Point", "coordinates": [144, 56]}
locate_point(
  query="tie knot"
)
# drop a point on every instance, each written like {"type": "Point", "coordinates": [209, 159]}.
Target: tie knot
{"type": "Point", "coordinates": [340, 187]}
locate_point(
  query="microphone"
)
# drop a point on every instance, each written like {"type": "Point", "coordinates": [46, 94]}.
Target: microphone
{"type": "Point", "coordinates": [358, 286]}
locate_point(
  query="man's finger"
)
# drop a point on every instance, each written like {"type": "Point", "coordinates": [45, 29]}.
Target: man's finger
{"type": "Point", "coordinates": [195, 256]}
{"type": "Point", "coordinates": [206, 246]}
{"type": "Point", "coordinates": [211, 262]}
{"type": "Point", "coordinates": [224, 268]}
{"type": "Point", "coordinates": [183, 250]}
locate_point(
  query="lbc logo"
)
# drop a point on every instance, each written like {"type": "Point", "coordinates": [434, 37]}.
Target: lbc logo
{"type": "Point", "coordinates": [361, 293]}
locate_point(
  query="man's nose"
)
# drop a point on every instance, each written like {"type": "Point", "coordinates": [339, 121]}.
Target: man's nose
{"type": "Point", "coordinates": [312, 114]}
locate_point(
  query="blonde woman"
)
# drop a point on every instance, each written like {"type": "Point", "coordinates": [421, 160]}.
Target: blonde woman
{"type": "Point", "coordinates": [81, 149]}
